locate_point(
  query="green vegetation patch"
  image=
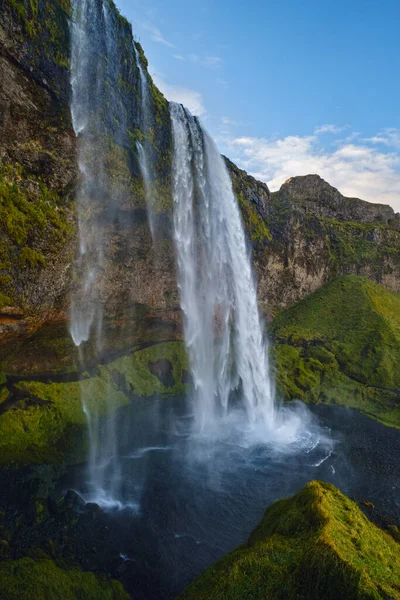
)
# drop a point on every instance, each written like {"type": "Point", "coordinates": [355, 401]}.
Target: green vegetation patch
{"type": "Point", "coordinates": [317, 544]}
{"type": "Point", "coordinates": [359, 243]}
{"type": "Point", "coordinates": [342, 345]}
{"type": "Point", "coordinates": [27, 579]}
{"type": "Point", "coordinates": [140, 373]}
{"type": "Point", "coordinates": [30, 225]}
{"type": "Point", "coordinates": [48, 423]}
{"type": "Point", "coordinates": [255, 226]}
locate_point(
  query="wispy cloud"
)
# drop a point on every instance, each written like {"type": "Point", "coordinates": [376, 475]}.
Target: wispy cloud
{"type": "Point", "coordinates": [211, 62]}
{"type": "Point", "coordinates": [192, 99]}
{"type": "Point", "coordinates": [156, 35]}
{"type": "Point", "coordinates": [228, 121]}
{"type": "Point", "coordinates": [356, 168]}
{"type": "Point", "coordinates": [329, 128]}
{"type": "Point", "coordinates": [387, 137]}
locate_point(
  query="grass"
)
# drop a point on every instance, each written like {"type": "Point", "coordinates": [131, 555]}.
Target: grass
{"type": "Point", "coordinates": [342, 345]}
{"type": "Point", "coordinates": [317, 544]}
{"type": "Point", "coordinates": [26, 578]}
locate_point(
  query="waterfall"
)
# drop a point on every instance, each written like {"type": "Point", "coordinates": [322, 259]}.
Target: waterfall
{"type": "Point", "coordinates": [98, 116]}
{"type": "Point", "coordinates": [144, 148]}
{"type": "Point", "coordinates": [223, 329]}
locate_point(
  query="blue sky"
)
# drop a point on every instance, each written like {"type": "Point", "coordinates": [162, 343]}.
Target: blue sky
{"type": "Point", "coordinates": [286, 87]}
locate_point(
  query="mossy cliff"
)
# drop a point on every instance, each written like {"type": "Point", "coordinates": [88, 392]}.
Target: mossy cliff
{"type": "Point", "coordinates": [41, 579]}
{"type": "Point", "coordinates": [42, 420]}
{"type": "Point", "coordinates": [341, 345]}
{"type": "Point", "coordinates": [37, 162]}
{"type": "Point", "coordinates": [309, 233]}
{"type": "Point", "coordinates": [39, 175]}
{"type": "Point", "coordinates": [301, 236]}
{"type": "Point", "coordinates": [317, 544]}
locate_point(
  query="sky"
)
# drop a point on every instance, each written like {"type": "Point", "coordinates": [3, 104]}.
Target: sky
{"type": "Point", "coordinates": [286, 87]}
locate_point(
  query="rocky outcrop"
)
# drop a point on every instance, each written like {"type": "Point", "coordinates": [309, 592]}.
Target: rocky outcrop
{"type": "Point", "coordinates": [315, 234]}
{"type": "Point", "coordinates": [314, 195]}
{"type": "Point", "coordinates": [317, 544]}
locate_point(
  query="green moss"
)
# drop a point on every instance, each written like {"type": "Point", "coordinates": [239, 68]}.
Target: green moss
{"type": "Point", "coordinates": [49, 423]}
{"type": "Point", "coordinates": [25, 219]}
{"type": "Point", "coordinates": [354, 243]}
{"type": "Point", "coordinates": [315, 545]}
{"type": "Point", "coordinates": [45, 22]}
{"type": "Point", "coordinates": [279, 211]}
{"type": "Point", "coordinates": [342, 345]}
{"type": "Point", "coordinates": [255, 226]}
{"type": "Point", "coordinates": [139, 379]}
{"type": "Point", "coordinates": [26, 578]}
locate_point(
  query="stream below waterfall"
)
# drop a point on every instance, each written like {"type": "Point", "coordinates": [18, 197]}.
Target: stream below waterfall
{"type": "Point", "coordinates": [186, 500]}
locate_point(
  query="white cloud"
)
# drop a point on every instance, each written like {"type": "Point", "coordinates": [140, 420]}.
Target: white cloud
{"type": "Point", "coordinates": [356, 168]}
{"type": "Point", "coordinates": [329, 128]}
{"type": "Point", "coordinates": [156, 35]}
{"type": "Point", "coordinates": [192, 99]}
{"type": "Point", "coordinates": [387, 137]}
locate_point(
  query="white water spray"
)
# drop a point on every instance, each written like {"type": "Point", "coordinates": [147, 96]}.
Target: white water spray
{"type": "Point", "coordinates": [223, 329]}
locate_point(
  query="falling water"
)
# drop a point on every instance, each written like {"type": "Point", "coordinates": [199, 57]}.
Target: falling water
{"type": "Point", "coordinates": [96, 103]}
{"type": "Point", "coordinates": [223, 330]}
{"type": "Point", "coordinates": [144, 148]}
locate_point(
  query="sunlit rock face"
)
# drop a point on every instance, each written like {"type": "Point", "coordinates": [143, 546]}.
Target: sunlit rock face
{"type": "Point", "coordinates": [315, 234]}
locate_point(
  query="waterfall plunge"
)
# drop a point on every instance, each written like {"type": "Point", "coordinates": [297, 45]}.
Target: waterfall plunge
{"type": "Point", "coordinates": [223, 329]}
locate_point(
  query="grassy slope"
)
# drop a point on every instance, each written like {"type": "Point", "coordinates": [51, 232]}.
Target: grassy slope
{"type": "Point", "coordinates": [28, 579]}
{"type": "Point", "coordinates": [342, 345]}
{"type": "Point", "coordinates": [315, 545]}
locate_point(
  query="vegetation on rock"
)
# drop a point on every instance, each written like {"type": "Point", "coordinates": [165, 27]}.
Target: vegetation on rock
{"type": "Point", "coordinates": [28, 578]}
{"type": "Point", "coordinates": [46, 423]}
{"type": "Point", "coordinates": [317, 544]}
{"type": "Point", "coordinates": [341, 345]}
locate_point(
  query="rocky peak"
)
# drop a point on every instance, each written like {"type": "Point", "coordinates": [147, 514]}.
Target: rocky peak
{"type": "Point", "coordinates": [312, 194]}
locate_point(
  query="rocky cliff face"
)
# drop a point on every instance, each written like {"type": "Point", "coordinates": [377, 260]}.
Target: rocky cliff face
{"type": "Point", "coordinates": [39, 176]}
{"type": "Point", "coordinates": [37, 162]}
{"type": "Point", "coordinates": [301, 236]}
{"type": "Point", "coordinates": [316, 234]}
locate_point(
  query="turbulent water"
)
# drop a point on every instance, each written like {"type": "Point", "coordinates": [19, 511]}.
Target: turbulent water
{"type": "Point", "coordinates": [223, 329]}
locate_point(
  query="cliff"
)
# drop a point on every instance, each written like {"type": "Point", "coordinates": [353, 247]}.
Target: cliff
{"type": "Point", "coordinates": [301, 236]}
{"type": "Point", "coordinates": [316, 234]}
